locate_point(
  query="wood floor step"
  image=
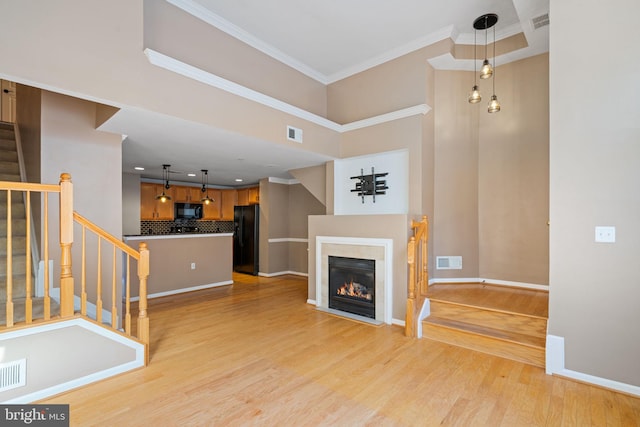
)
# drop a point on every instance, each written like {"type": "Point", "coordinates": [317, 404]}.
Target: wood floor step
{"type": "Point", "coordinates": [8, 156]}
{"type": "Point", "coordinates": [511, 345]}
{"type": "Point", "coordinates": [491, 318]}
{"type": "Point", "coordinates": [7, 143]}
{"type": "Point", "coordinates": [9, 167]}
{"type": "Point", "coordinates": [12, 177]}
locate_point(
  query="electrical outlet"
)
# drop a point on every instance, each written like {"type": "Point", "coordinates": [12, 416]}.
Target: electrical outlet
{"type": "Point", "coordinates": [605, 234]}
{"type": "Point", "coordinates": [193, 265]}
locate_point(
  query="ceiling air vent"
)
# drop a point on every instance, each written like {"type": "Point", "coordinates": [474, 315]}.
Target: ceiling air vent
{"type": "Point", "coordinates": [540, 21]}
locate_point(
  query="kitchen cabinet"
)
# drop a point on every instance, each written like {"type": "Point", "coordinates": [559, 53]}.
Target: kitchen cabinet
{"type": "Point", "coordinates": [248, 196]}
{"type": "Point", "coordinates": [213, 210]}
{"type": "Point", "coordinates": [229, 199]}
{"type": "Point", "coordinates": [150, 208]}
{"type": "Point", "coordinates": [185, 194]}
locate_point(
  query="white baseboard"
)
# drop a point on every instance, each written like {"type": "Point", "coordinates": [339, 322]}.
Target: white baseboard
{"type": "Point", "coordinates": [425, 311]}
{"type": "Point", "coordinates": [312, 302]}
{"type": "Point", "coordinates": [282, 273]}
{"type": "Point", "coordinates": [490, 282]}
{"type": "Point", "coordinates": [398, 322]}
{"type": "Point", "coordinates": [183, 290]}
{"type": "Point", "coordinates": [555, 366]}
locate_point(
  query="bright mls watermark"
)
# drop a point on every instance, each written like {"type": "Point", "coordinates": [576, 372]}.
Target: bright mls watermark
{"type": "Point", "coordinates": [34, 415]}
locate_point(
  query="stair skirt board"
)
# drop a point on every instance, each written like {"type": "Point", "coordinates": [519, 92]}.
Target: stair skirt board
{"type": "Point", "coordinates": [77, 305]}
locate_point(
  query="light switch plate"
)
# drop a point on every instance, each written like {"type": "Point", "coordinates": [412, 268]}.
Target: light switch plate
{"type": "Point", "coordinates": [605, 234]}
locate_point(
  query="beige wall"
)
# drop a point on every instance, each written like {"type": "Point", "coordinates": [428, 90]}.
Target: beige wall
{"type": "Point", "coordinates": [180, 35]}
{"type": "Point", "coordinates": [491, 175]}
{"type": "Point", "coordinates": [594, 176]}
{"type": "Point", "coordinates": [130, 204]}
{"type": "Point", "coordinates": [71, 144]}
{"type": "Point", "coordinates": [170, 259]}
{"type": "Point", "coordinates": [284, 209]}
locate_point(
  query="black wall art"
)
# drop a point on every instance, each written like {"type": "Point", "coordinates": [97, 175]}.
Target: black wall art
{"type": "Point", "coordinates": [370, 185]}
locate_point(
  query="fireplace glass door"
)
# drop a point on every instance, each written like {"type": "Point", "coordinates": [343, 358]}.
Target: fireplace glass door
{"type": "Point", "coordinates": [352, 285]}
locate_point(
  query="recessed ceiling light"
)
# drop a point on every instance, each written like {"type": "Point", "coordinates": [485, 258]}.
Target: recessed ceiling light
{"type": "Point", "coordinates": [139, 168]}
{"type": "Point", "coordinates": [238, 179]}
{"type": "Point", "coordinates": [191, 174]}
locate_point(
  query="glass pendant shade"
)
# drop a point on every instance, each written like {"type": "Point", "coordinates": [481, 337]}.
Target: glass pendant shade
{"type": "Point", "coordinates": [474, 95]}
{"type": "Point", "coordinates": [486, 71]}
{"type": "Point", "coordinates": [163, 197]}
{"type": "Point", "coordinates": [494, 105]}
{"type": "Point", "coordinates": [165, 176]}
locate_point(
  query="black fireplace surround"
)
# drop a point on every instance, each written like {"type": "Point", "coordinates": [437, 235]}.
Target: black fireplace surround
{"type": "Point", "coordinates": [352, 285]}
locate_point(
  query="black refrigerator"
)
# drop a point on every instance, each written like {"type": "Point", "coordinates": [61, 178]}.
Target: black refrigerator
{"type": "Point", "coordinates": [245, 239]}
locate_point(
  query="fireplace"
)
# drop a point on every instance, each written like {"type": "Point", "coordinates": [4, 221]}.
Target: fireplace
{"type": "Point", "coordinates": [352, 285]}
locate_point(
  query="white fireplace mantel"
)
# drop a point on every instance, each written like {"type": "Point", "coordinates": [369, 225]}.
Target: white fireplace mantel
{"type": "Point", "coordinates": [357, 247]}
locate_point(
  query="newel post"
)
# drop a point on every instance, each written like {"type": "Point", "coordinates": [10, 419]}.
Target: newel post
{"type": "Point", "coordinates": [409, 322]}
{"type": "Point", "coordinates": [66, 240]}
{"type": "Point", "coordinates": [143, 318]}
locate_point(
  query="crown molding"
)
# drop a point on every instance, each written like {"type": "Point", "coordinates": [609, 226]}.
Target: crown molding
{"type": "Point", "coordinates": [189, 71]}
{"type": "Point", "coordinates": [284, 181]}
{"type": "Point", "coordinates": [204, 14]}
{"type": "Point", "coordinates": [387, 117]}
{"type": "Point", "coordinates": [394, 53]}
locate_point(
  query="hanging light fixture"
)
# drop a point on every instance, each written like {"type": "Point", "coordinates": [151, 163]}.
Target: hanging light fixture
{"type": "Point", "coordinates": [165, 177]}
{"type": "Point", "coordinates": [494, 105]}
{"type": "Point", "coordinates": [485, 22]}
{"type": "Point", "coordinates": [205, 188]}
{"type": "Point", "coordinates": [474, 96]}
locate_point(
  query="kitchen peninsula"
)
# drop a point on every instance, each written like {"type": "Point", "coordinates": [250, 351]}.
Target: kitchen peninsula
{"type": "Point", "coordinates": [184, 262]}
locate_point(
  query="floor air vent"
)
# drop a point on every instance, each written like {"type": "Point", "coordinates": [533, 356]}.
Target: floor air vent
{"type": "Point", "coordinates": [13, 374]}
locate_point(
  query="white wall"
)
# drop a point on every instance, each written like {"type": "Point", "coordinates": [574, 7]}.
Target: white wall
{"type": "Point", "coordinates": [396, 199]}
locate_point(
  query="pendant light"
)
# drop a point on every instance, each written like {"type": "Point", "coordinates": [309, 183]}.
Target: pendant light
{"type": "Point", "coordinates": [474, 96]}
{"type": "Point", "coordinates": [486, 21]}
{"type": "Point", "coordinates": [494, 105]}
{"type": "Point", "coordinates": [205, 188]}
{"type": "Point", "coordinates": [165, 177]}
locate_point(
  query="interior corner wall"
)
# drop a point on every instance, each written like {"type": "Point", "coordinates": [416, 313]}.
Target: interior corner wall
{"type": "Point", "coordinates": [513, 175]}
{"type": "Point", "coordinates": [594, 288]}
{"type": "Point", "coordinates": [71, 144]}
{"type": "Point", "coordinates": [492, 175]}
{"type": "Point", "coordinates": [130, 204]}
{"type": "Point", "coordinates": [455, 219]}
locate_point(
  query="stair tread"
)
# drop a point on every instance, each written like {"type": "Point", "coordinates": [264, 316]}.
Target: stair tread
{"type": "Point", "coordinates": [515, 337]}
{"type": "Point", "coordinates": [528, 302]}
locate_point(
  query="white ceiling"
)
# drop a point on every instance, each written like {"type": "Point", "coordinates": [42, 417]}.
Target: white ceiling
{"type": "Point", "coordinates": [327, 40]}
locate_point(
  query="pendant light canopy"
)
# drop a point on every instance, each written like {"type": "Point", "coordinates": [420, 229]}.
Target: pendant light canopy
{"type": "Point", "coordinates": [487, 70]}
{"type": "Point", "coordinates": [205, 188]}
{"type": "Point", "coordinates": [165, 177]}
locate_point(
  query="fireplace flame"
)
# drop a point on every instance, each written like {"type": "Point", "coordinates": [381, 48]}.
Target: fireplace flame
{"type": "Point", "coordinates": [354, 289]}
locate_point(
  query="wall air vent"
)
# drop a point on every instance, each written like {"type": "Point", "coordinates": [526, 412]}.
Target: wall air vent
{"type": "Point", "coordinates": [540, 21]}
{"type": "Point", "coordinates": [449, 263]}
{"type": "Point", "coordinates": [13, 374]}
{"type": "Point", "coordinates": [294, 134]}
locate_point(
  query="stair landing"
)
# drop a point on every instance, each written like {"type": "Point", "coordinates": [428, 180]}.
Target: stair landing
{"type": "Point", "coordinates": [503, 321]}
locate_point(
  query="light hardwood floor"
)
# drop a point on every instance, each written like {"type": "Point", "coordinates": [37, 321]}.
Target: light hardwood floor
{"type": "Point", "coordinates": [256, 354]}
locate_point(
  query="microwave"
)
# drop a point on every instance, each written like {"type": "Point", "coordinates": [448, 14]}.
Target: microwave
{"type": "Point", "coordinates": [188, 210]}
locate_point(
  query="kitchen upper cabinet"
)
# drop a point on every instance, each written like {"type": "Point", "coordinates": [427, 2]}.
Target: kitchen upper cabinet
{"type": "Point", "coordinates": [150, 208]}
{"type": "Point", "coordinates": [214, 209]}
{"type": "Point", "coordinates": [254, 195]}
{"type": "Point", "coordinates": [229, 199]}
{"type": "Point", "coordinates": [248, 196]}
{"type": "Point", "coordinates": [187, 194]}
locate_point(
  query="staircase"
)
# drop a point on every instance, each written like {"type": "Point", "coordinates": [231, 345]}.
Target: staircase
{"type": "Point", "coordinates": [10, 171]}
{"type": "Point", "coordinates": [503, 321]}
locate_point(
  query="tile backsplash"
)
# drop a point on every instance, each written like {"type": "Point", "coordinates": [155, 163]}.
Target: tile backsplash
{"type": "Point", "coordinates": [164, 227]}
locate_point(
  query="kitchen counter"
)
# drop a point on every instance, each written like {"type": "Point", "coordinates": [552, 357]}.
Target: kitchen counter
{"type": "Point", "coordinates": [184, 262]}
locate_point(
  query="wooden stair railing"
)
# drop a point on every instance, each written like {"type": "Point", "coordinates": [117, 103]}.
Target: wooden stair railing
{"type": "Point", "coordinates": [67, 219]}
{"type": "Point", "coordinates": [417, 258]}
